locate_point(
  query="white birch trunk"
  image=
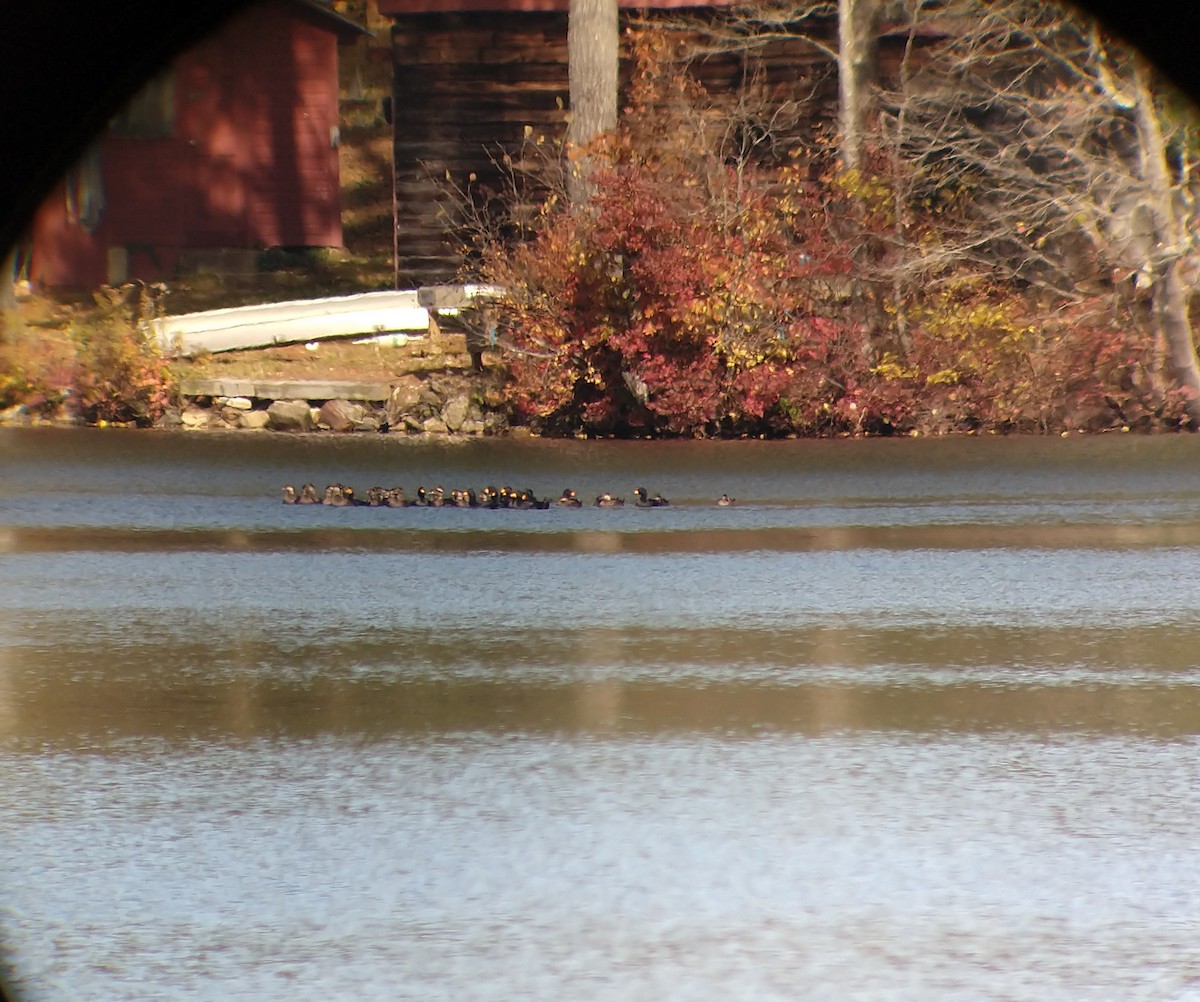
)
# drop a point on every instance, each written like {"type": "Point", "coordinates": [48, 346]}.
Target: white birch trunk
{"type": "Point", "coordinates": [1168, 299]}
{"type": "Point", "coordinates": [593, 41]}
{"type": "Point", "coordinates": [857, 20]}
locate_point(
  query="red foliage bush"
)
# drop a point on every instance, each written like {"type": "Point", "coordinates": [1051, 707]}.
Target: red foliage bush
{"type": "Point", "coordinates": [701, 294]}
{"type": "Point", "coordinates": [121, 375]}
{"type": "Point", "coordinates": [673, 301]}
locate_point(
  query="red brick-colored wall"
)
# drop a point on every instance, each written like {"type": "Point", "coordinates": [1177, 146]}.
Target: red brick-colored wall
{"type": "Point", "coordinates": [250, 162]}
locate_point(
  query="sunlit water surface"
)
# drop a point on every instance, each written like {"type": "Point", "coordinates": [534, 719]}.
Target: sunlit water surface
{"type": "Point", "coordinates": [913, 720]}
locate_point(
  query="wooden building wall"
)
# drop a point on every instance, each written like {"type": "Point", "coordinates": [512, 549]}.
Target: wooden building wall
{"type": "Point", "coordinates": [245, 158]}
{"type": "Point", "coordinates": [467, 84]}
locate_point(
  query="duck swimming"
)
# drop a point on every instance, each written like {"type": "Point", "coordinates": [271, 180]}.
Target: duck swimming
{"type": "Point", "coordinates": [338, 495]}
{"type": "Point", "coordinates": [658, 501]}
{"type": "Point", "coordinates": [526, 499]}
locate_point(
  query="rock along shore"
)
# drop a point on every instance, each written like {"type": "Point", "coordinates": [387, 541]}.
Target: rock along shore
{"type": "Point", "coordinates": [440, 405]}
{"type": "Point", "coordinates": [445, 404]}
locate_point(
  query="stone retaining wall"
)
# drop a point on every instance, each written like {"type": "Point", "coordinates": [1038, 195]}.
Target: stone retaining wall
{"type": "Point", "coordinates": [440, 405]}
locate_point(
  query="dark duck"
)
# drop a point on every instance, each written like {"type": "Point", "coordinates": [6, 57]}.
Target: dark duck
{"type": "Point", "coordinates": [642, 500]}
{"type": "Point", "coordinates": [606, 500]}
{"type": "Point", "coordinates": [527, 500]}
{"type": "Point", "coordinates": [569, 500]}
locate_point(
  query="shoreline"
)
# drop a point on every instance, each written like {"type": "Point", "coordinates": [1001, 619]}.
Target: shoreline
{"type": "Point", "coordinates": [20, 416]}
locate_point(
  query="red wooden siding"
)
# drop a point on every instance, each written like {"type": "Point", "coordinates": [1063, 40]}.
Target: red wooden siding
{"type": "Point", "coordinates": [248, 164]}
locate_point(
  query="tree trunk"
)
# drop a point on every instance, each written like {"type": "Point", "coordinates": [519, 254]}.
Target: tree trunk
{"type": "Point", "coordinates": [1168, 300]}
{"type": "Point", "coordinates": [857, 20]}
{"type": "Point", "coordinates": [593, 40]}
{"type": "Point", "coordinates": [857, 23]}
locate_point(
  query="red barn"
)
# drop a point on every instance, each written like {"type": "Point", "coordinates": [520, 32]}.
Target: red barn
{"type": "Point", "coordinates": [233, 147]}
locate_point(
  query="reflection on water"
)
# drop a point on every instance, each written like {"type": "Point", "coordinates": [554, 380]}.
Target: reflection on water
{"type": "Point", "coordinates": [913, 720]}
{"type": "Point", "coordinates": [547, 537]}
{"type": "Point", "coordinates": [516, 866]}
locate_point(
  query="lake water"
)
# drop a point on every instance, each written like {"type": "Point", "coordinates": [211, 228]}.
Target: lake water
{"type": "Point", "coordinates": [913, 720]}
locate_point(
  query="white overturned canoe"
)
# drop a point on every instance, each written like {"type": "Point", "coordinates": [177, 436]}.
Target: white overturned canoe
{"type": "Point", "coordinates": [302, 320]}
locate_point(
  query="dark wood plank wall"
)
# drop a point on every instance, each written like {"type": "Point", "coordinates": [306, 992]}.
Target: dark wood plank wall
{"type": "Point", "coordinates": [468, 86]}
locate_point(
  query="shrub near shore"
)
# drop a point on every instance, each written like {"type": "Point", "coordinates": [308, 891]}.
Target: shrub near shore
{"type": "Point", "coordinates": [974, 365]}
{"type": "Point", "coordinates": [103, 365]}
{"type": "Point", "coordinates": [700, 292]}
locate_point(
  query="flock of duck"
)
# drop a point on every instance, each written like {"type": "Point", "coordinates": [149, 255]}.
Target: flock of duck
{"type": "Point", "coordinates": [341, 496]}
